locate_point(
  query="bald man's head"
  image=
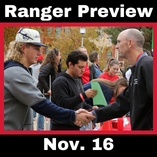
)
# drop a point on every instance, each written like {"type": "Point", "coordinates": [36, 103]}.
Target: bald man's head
{"type": "Point", "coordinates": [136, 36]}
{"type": "Point", "coordinates": [128, 41]}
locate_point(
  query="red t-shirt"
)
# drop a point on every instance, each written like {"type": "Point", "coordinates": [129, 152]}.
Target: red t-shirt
{"type": "Point", "coordinates": [86, 75]}
{"type": "Point", "coordinates": [108, 77]}
{"type": "Point", "coordinates": [111, 78]}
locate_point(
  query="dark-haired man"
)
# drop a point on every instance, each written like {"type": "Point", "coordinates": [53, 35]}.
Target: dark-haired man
{"type": "Point", "coordinates": [67, 90]}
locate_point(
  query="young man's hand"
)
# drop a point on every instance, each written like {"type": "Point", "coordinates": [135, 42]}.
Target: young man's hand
{"type": "Point", "coordinates": [83, 117]}
{"type": "Point", "coordinates": [90, 93]}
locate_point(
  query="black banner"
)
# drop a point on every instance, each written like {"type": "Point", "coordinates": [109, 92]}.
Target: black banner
{"type": "Point", "coordinates": [81, 12]}
{"type": "Point", "coordinates": [97, 144]}
{"type": "Point", "coordinates": [102, 12]}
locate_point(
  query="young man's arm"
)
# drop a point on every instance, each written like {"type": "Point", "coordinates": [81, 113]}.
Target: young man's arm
{"type": "Point", "coordinates": [23, 89]}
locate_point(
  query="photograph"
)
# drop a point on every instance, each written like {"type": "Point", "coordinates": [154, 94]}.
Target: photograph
{"type": "Point", "coordinates": [52, 70]}
{"type": "Point", "coordinates": [78, 77]}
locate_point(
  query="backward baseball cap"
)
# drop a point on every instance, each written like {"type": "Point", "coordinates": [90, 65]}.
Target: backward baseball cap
{"type": "Point", "coordinates": [30, 36]}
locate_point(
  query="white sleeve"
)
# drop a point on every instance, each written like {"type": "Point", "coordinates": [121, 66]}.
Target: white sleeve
{"type": "Point", "coordinates": [128, 74]}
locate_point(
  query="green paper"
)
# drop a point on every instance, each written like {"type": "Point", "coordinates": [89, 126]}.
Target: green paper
{"type": "Point", "coordinates": [99, 99]}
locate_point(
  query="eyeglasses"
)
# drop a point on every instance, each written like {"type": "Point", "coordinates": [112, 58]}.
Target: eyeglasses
{"type": "Point", "coordinates": [81, 67]}
{"type": "Point", "coordinates": [24, 35]}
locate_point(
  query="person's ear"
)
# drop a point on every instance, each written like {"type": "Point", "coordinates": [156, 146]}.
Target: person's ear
{"type": "Point", "coordinates": [23, 49]}
{"type": "Point", "coordinates": [70, 64]}
{"type": "Point", "coordinates": [109, 67]}
{"type": "Point", "coordinates": [130, 43]}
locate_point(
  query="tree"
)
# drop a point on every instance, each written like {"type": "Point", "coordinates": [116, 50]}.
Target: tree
{"type": "Point", "coordinates": [67, 40]}
{"type": "Point", "coordinates": [10, 33]}
{"type": "Point", "coordinates": [70, 41]}
{"type": "Point", "coordinates": [146, 31]}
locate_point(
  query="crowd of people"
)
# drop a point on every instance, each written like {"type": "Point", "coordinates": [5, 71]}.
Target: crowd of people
{"type": "Point", "coordinates": [34, 82]}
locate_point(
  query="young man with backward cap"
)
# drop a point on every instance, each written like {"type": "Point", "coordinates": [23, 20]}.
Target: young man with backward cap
{"type": "Point", "coordinates": [20, 93]}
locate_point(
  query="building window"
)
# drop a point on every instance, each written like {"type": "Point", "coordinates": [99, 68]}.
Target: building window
{"type": "Point", "coordinates": [58, 31]}
{"type": "Point", "coordinates": [109, 54]}
{"type": "Point", "coordinates": [49, 31]}
{"type": "Point", "coordinates": [67, 31]}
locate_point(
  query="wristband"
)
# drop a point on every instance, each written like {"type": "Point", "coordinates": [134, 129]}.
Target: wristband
{"type": "Point", "coordinates": [81, 96]}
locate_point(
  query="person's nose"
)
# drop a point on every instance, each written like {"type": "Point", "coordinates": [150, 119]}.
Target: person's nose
{"type": "Point", "coordinates": [39, 53]}
{"type": "Point", "coordinates": [117, 46]}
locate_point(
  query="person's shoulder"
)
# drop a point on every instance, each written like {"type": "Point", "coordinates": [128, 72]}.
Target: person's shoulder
{"type": "Point", "coordinates": [17, 73]}
{"type": "Point", "coordinates": [15, 70]}
{"type": "Point", "coordinates": [146, 61]}
{"type": "Point", "coordinates": [47, 66]}
{"type": "Point", "coordinates": [102, 75]}
{"type": "Point", "coordinates": [116, 76]}
{"type": "Point", "coordinates": [148, 58]}
{"type": "Point", "coordinates": [61, 78]}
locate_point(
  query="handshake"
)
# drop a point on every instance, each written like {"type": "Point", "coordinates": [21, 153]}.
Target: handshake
{"type": "Point", "coordinates": [83, 117]}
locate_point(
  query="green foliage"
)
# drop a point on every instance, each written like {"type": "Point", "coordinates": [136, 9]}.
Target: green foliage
{"type": "Point", "coordinates": [147, 32]}
{"type": "Point", "coordinates": [69, 39]}
{"type": "Point", "coordinates": [68, 42]}
{"type": "Point", "coordinates": [10, 33]}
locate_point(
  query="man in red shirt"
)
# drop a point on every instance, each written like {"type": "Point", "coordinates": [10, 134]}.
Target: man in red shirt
{"type": "Point", "coordinates": [89, 70]}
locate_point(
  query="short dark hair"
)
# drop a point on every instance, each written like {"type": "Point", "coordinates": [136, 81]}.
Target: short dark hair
{"type": "Point", "coordinates": [93, 56]}
{"type": "Point", "coordinates": [75, 56]}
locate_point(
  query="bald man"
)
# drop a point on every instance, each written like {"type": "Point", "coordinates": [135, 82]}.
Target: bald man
{"type": "Point", "coordinates": [130, 44]}
{"type": "Point", "coordinates": [138, 96]}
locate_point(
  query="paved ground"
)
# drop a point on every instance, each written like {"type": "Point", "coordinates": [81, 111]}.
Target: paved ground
{"type": "Point", "coordinates": [46, 124]}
